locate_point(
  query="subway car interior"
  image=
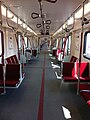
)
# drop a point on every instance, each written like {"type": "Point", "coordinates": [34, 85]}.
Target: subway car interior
{"type": "Point", "coordinates": [44, 59]}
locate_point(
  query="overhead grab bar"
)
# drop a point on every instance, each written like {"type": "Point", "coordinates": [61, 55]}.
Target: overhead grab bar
{"type": "Point", "coordinates": [48, 22]}
{"type": "Point", "coordinates": [38, 25]}
{"type": "Point", "coordinates": [52, 1]}
{"type": "Point", "coordinates": [34, 15]}
{"type": "Point", "coordinates": [47, 27]}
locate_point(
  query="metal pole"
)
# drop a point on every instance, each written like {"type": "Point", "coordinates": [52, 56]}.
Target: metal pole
{"type": "Point", "coordinates": [2, 38]}
{"type": "Point", "coordinates": [80, 54]}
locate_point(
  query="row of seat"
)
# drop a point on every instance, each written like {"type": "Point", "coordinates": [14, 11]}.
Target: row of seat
{"type": "Point", "coordinates": [11, 74]}
{"type": "Point", "coordinates": [30, 53]}
{"type": "Point", "coordinates": [70, 71]}
{"type": "Point", "coordinates": [85, 92]}
{"type": "Point", "coordinates": [70, 74]}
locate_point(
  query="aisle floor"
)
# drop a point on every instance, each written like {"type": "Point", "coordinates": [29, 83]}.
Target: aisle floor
{"type": "Point", "coordinates": [40, 96]}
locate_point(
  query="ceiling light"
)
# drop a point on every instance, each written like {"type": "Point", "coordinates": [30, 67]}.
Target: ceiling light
{"type": "Point", "coordinates": [10, 14]}
{"type": "Point", "coordinates": [64, 25]}
{"type": "Point", "coordinates": [3, 9]}
{"type": "Point", "coordinates": [14, 19]}
{"type": "Point", "coordinates": [24, 25]}
{"type": "Point", "coordinates": [70, 21]}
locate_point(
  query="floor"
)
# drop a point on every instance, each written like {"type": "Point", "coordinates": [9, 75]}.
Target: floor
{"type": "Point", "coordinates": [41, 96]}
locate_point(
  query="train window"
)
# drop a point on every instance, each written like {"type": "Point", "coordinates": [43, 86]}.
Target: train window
{"type": "Point", "coordinates": [63, 39]}
{"type": "Point", "coordinates": [57, 43]}
{"type": "Point", "coordinates": [0, 44]}
{"type": "Point", "coordinates": [19, 41]}
{"type": "Point", "coordinates": [68, 45]}
{"type": "Point", "coordinates": [26, 42]}
{"type": "Point", "coordinates": [86, 49]}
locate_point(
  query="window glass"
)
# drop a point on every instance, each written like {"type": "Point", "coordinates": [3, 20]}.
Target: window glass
{"type": "Point", "coordinates": [69, 44]}
{"type": "Point", "coordinates": [86, 50]}
{"type": "Point", "coordinates": [26, 42]}
{"type": "Point", "coordinates": [66, 47]}
{"type": "Point", "coordinates": [19, 41]}
{"type": "Point", "coordinates": [0, 45]}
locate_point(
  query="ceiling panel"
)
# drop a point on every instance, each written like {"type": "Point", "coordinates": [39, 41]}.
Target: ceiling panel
{"type": "Point", "coordinates": [57, 12]}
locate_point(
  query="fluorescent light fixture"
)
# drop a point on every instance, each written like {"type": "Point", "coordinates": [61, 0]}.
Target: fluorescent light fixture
{"type": "Point", "coordinates": [28, 28]}
{"type": "Point", "coordinates": [34, 33]}
{"type": "Point", "coordinates": [9, 14]}
{"type": "Point", "coordinates": [59, 30]}
{"type": "Point", "coordinates": [19, 22]}
{"type": "Point", "coordinates": [64, 25]}
{"type": "Point", "coordinates": [3, 9]}
{"type": "Point", "coordinates": [70, 21]}
{"type": "Point", "coordinates": [80, 12]}
{"type": "Point", "coordinates": [24, 25]}
{"type": "Point", "coordinates": [14, 19]}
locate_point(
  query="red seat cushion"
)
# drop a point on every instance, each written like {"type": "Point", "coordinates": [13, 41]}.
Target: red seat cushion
{"type": "Point", "coordinates": [70, 79]}
{"type": "Point", "coordinates": [86, 95]}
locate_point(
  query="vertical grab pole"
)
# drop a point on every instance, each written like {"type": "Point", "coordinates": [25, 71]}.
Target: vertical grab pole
{"type": "Point", "coordinates": [80, 54]}
{"type": "Point", "coordinates": [2, 38]}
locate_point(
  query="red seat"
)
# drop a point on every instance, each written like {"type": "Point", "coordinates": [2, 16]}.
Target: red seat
{"type": "Point", "coordinates": [84, 71]}
{"type": "Point", "coordinates": [85, 92]}
{"type": "Point", "coordinates": [12, 59]}
{"type": "Point", "coordinates": [12, 74]}
{"type": "Point", "coordinates": [70, 72]}
{"type": "Point", "coordinates": [12, 71]}
{"type": "Point", "coordinates": [86, 96]}
{"type": "Point", "coordinates": [73, 59]}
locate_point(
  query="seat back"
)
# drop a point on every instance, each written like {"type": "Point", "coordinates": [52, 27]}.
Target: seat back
{"type": "Point", "coordinates": [12, 59]}
{"type": "Point", "coordinates": [68, 69]}
{"type": "Point", "coordinates": [84, 69]}
{"type": "Point", "coordinates": [73, 59]}
{"type": "Point", "coordinates": [12, 71]}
